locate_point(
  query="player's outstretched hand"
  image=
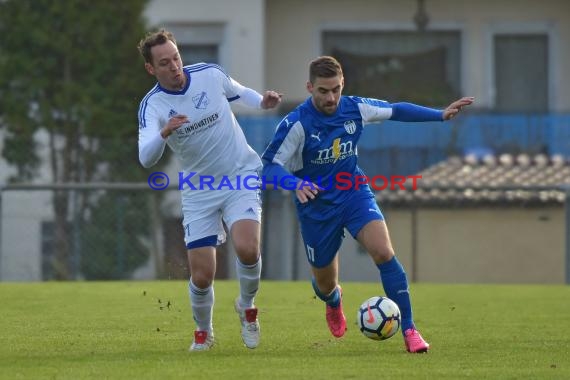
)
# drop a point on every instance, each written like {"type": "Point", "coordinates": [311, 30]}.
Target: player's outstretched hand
{"type": "Point", "coordinates": [307, 191]}
{"type": "Point", "coordinates": [454, 108]}
{"type": "Point", "coordinates": [271, 99]}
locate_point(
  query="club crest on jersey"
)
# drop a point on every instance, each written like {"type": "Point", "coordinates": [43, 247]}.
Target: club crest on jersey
{"type": "Point", "coordinates": [350, 126]}
{"type": "Point", "coordinates": [200, 101]}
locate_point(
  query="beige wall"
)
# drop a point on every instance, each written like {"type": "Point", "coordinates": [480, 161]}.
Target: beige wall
{"type": "Point", "coordinates": [486, 245]}
{"type": "Point", "coordinates": [489, 245]}
{"type": "Point", "coordinates": [242, 50]}
{"type": "Point", "coordinates": [492, 245]}
{"type": "Point", "coordinates": [293, 30]}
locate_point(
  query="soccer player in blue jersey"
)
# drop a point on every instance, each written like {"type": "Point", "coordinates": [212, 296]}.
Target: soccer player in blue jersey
{"type": "Point", "coordinates": [315, 143]}
{"type": "Point", "coordinates": [188, 110]}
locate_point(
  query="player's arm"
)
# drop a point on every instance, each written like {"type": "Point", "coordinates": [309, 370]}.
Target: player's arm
{"type": "Point", "coordinates": [282, 152]}
{"type": "Point", "coordinates": [276, 175]}
{"type": "Point", "coordinates": [374, 110]}
{"type": "Point", "coordinates": [152, 138]}
{"type": "Point", "coordinates": [236, 92]}
{"type": "Point", "coordinates": [283, 156]}
{"type": "Point", "coordinates": [412, 112]}
{"type": "Point", "coordinates": [252, 99]}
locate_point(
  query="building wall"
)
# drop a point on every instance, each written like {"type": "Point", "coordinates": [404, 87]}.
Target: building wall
{"type": "Point", "coordinates": [487, 245]}
{"type": "Point", "coordinates": [242, 48]}
{"type": "Point", "coordinates": [356, 264]}
{"type": "Point", "coordinates": [21, 216]}
{"type": "Point", "coordinates": [268, 44]}
{"type": "Point", "coordinates": [21, 244]}
{"type": "Point", "coordinates": [491, 245]}
{"type": "Point", "coordinates": [293, 30]}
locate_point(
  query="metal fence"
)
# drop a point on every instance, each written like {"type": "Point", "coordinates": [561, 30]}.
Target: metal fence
{"type": "Point", "coordinates": [406, 148]}
{"type": "Point", "coordinates": [82, 231]}
{"type": "Point", "coordinates": [127, 231]}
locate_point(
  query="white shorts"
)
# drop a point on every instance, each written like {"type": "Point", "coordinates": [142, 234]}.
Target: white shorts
{"type": "Point", "coordinates": [204, 212]}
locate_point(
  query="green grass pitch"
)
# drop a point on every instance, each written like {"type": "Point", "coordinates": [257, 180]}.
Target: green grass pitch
{"type": "Point", "coordinates": [142, 330]}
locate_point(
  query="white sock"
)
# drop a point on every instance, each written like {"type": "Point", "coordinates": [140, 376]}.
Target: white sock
{"type": "Point", "coordinates": [202, 302]}
{"type": "Point", "coordinates": [248, 276]}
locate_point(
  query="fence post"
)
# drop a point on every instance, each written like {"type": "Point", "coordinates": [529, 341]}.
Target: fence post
{"type": "Point", "coordinates": [1, 217]}
{"type": "Point", "coordinates": [76, 234]}
{"type": "Point", "coordinates": [414, 233]}
{"type": "Point", "coordinates": [567, 231]}
{"type": "Point", "coordinates": [120, 214]}
{"type": "Point", "coordinates": [156, 232]}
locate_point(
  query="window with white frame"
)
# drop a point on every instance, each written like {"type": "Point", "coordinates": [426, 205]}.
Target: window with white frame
{"type": "Point", "coordinates": [521, 72]}
{"type": "Point", "coordinates": [198, 42]}
{"type": "Point", "coordinates": [423, 68]}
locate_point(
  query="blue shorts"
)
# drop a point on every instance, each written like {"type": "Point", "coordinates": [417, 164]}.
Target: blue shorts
{"type": "Point", "coordinates": [323, 238]}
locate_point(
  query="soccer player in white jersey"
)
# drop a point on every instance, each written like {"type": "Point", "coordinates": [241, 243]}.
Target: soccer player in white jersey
{"type": "Point", "coordinates": [188, 110]}
{"type": "Point", "coordinates": [315, 143]}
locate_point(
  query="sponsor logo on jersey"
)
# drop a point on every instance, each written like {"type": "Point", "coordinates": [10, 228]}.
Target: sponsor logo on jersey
{"type": "Point", "coordinates": [201, 101]}
{"type": "Point", "coordinates": [338, 151]}
{"type": "Point", "coordinates": [198, 126]}
{"type": "Point", "coordinates": [172, 113]}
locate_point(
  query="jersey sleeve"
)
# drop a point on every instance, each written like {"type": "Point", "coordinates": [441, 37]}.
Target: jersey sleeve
{"type": "Point", "coordinates": [235, 91]}
{"type": "Point", "coordinates": [373, 110]}
{"type": "Point", "coordinates": [286, 148]}
{"type": "Point", "coordinates": [415, 113]}
{"type": "Point", "coordinates": [249, 98]}
{"type": "Point", "coordinates": [239, 94]}
{"type": "Point", "coordinates": [151, 143]}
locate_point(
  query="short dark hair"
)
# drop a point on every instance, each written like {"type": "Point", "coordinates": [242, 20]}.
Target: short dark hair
{"type": "Point", "coordinates": [159, 37]}
{"type": "Point", "coordinates": [324, 67]}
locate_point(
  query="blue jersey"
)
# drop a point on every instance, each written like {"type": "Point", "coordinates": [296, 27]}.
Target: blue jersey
{"type": "Point", "coordinates": [323, 148]}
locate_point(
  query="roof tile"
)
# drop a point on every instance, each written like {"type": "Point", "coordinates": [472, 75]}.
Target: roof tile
{"type": "Point", "coordinates": [471, 180]}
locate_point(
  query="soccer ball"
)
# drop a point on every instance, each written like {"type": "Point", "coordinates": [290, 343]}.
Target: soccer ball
{"type": "Point", "coordinates": [378, 318]}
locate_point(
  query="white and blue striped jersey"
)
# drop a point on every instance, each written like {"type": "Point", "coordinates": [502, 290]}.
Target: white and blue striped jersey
{"type": "Point", "coordinates": [315, 147]}
{"type": "Point", "coordinates": [211, 143]}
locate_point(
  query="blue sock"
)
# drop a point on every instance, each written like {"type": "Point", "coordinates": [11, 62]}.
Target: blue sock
{"type": "Point", "coordinates": [395, 285]}
{"type": "Point", "coordinates": [333, 299]}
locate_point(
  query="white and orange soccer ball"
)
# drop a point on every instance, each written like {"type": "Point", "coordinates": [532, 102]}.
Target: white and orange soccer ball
{"type": "Point", "coordinates": [378, 318]}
